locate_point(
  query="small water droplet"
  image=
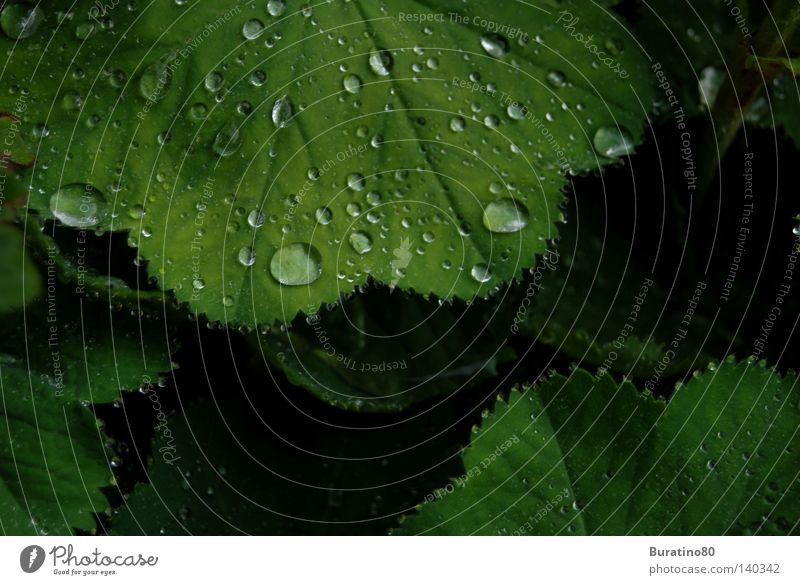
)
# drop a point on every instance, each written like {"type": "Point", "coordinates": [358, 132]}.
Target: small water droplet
{"type": "Point", "coordinates": [352, 84]}
{"type": "Point", "coordinates": [356, 181]}
{"type": "Point", "coordinates": [481, 273]}
{"type": "Point", "coordinates": [361, 242]}
{"type": "Point", "coordinates": [457, 124]}
{"type": "Point", "coordinates": [381, 62]}
{"type": "Point", "coordinates": [324, 215]}
{"type": "Point", "coordinates": [282, 112]}
{"type": "Point", "coordinates": [214, 81]}
{"type": "Point", "coordinates": [495, 45]}
{"type": "Point", "coordinates": [556, 79]}
{"type": "Point", "coordinates": [228, 140]}
{"type": "Point", "coordinates": [252, 29]}
{"type": "Point", "coordinates": [276, 7]}
{"type": "Point", "coordinates": [505, 216]}
{"type": "Point", "coordinates": [247, 256]}
{"type": "Point", "coordinates": [296, 265]}
{"type": "Point", "coordinates": [256, 219]}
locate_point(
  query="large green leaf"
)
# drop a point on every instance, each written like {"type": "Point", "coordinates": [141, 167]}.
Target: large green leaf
{"type": "Point", "coordinates": [52, 458]}
{"type": "Point", "coordinates": [360, 356]}
{"type": "Point", "coordinates": [585, 455]}
{"type": "Point", "coordinates": [86, 350]}
{"type": "Point", "coordinates": [364, 140]}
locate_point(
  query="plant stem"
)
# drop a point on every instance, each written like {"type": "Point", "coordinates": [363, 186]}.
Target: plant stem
{"type": "Point", "coordinates": [744, 84]}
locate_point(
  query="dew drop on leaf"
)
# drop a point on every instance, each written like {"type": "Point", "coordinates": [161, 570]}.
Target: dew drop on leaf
{"type": "Point", "coordinates": [282, 112]}
{"type": "Point", "coordinates": [613, 141]}
{"type": "Point", "coordinates": [381, 62]}
{"type": "Point", "coordinates": [228, 140]}
{"type": "Point", "coordinates": [481, 273]}
{"type": "Point", "coordinates": [296, 264]}
{"type": "Point", "coordinates": [361, 242]}
{"type": "Point", "coordinates": [19, 20]}
{"type": "Point", "coordinates": [78, 205]}
{"type": "Point", "coordinates": [505, 216]}
{"type": "Point", "coordinates": [495, 45]}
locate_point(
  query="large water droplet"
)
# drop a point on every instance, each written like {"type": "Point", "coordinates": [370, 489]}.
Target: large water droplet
{"type": "Point", "coordinates": [79, 205]}
{"type": "Point", "coordinates": [19, 20]}
{"type": "Point", "coordinates": [282, 112]}
{"type": "Point", "coordinates": [296, 265]}
{"type": "Point", "coordinates": [156, 79]}
{"type": "Point", "coordinates": [613, 141]}
{"type": "Point", "coordinates": [361, 242]}
{"type": "Point", "coordinates": [381, 62]}
{"type": "Point", "coordinates": [356, 181]}
{"type": "Point", "coordinates": [481, 273]}
{"type": "Point", "coordinates": [495, 45]}
{"type": "Point", "coordinates": [505, 216]}
{"type": "Point", "coordinates": [228, 140]}
{"type": "Point", "coordinates": [256, 219]}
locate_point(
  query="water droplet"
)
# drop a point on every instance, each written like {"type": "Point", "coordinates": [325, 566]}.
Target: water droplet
{"type": "Point", "coordinates": [517, 111]}
{"type": "Point", "coordinates": [457, 124]}
{"type": "Point", "coordinates": [258, 78]}
{"type": "Point", "coordinates": [247, 256]}
{"type": "Point", "coordinates": [199, 111]}
{"type": "Point", "coordinates": [381, 62]}
{"type": "Point", "coordinates": [296, 264]}
{"type": "Point", "coordinates": [505, 216]}
{"type": "Point", "coordinates": [377, 141]}
{"type": "Point", "coordinates": [613, 141]}
{"type": "Point", "coordinates": [79, 205]}
{"type": "Point", "coordinates": [361, 242]}
{"type": "Point", "coordinates": [198, 284]}
{"type": "Point", "coordinates": [156, 79]}
{"type": "Point", "coordinates": [495, 45]}
{"type": "Point", "coordinates": [252, 29]}
{"type": "Point", "coordinates": [556, 79]}
{"type": "Point", "coordinates": [324, 215]}
{"type": "Point", "coordinates": [20, 20]}
{"type": "Point", "coordinates": [214, 81]}
{"type": "Point", "coordinates": [282, 112]}
{"type": "Point", "coordinates": [228, 140]}
{"type": "Point", "coordinates": [356, 181]}
{"type": "Point", "coordinates": [276, 7]}
{"type": "Point", "coordinates": [481, 273]}
{"type": "Point", "coordinates": [256, 219]}
{"type": "Point", "coordinates": [374, 198]}
{"type": "Point", "coordinates": [352, 84]}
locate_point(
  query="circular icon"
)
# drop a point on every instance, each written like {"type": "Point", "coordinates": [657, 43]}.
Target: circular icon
{"type": "Point", "coordinates": [31, 558]}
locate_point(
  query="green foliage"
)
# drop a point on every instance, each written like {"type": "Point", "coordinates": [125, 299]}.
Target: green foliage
{"type": "Point", "coordinates": [585, 455]}
{"type": "Point", "coordinates": [320, 238]}
{"type": "Point", "coordinates": [197, 133]}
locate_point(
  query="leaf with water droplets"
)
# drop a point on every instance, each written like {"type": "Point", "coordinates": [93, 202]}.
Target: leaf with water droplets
{"type": "Point", "coordinates": [331, 158]}
{"type": "Point", "coordinates": [586, 455]}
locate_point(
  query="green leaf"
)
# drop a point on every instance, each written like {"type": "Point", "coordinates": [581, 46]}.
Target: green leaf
{"type": "Point", "coordinates": [362, 357]}
{"type": "Point", "coordinates": [52, 458]}
{"type": "Point", "coordinates": [585, 455]}
{"type": "Point", "coordinates": [20, 280]}
{"type": "Point", "coordinates": [778, 106]}
{"type": "Point", "coordinates": [350, 133]}
{"type": "Point", "coordinates": [85, 349]}
{"type": "Point", "coordinates": [233, 467]}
